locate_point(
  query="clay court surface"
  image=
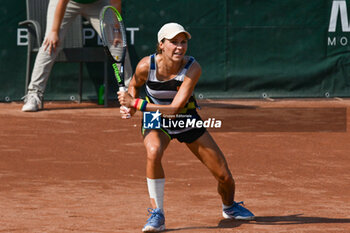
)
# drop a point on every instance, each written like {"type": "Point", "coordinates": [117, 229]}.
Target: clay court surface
{"type": "Point", "coordinates": [80, 168]}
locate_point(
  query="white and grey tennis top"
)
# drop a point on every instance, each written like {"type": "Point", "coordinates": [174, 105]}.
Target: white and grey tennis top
{"type": "Point", "coordinates": [163, 92]}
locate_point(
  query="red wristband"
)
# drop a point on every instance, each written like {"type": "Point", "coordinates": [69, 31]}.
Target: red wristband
{"type": "Point", "coordinates": [136, 103]}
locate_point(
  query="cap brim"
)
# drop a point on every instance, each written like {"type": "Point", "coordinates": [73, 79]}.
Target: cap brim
{"type": "Point", "coordinates": [171, 36]}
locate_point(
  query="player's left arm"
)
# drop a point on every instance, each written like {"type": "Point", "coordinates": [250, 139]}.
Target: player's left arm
{"type": "Point", "coordinates": [186, 89]}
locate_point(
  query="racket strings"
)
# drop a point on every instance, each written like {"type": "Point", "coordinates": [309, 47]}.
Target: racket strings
{"type": "Point", "coordinates": [114, 34]}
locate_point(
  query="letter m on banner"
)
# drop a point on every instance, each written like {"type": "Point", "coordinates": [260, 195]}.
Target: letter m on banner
{"type": "Point", "coordinates": [339, 6]}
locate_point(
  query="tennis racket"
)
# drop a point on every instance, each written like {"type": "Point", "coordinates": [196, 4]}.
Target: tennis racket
{"type": "Point", "coordinates": [114, 42]}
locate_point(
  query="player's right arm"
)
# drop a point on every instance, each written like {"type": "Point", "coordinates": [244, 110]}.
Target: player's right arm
{"type": "Point", "coordinates": [140, 77]}
{"type": "Point", "coordinates": [138, 80]}
{"type": "Point", "coordinates": [52, 39]}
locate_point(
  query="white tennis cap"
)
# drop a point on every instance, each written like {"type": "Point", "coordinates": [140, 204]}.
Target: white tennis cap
{"type": "Point", "coordinates": [170, 30]}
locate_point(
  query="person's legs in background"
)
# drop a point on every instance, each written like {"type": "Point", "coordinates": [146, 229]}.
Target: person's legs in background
{"type": "Point", "coordinates": [44, 61]}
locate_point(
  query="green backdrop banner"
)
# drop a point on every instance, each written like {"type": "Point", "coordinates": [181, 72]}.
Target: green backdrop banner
{"type": "Point", "coordinates": [247, 49]}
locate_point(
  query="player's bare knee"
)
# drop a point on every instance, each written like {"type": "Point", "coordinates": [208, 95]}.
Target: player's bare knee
{"type": "Point", "coordinates": [154, 154]}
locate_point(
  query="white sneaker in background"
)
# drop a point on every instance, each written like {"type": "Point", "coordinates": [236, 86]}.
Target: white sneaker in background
{"type": "Point", "coordinates": [32, 102]}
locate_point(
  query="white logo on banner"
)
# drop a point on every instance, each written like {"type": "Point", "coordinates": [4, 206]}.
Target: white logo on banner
{"type": "Point", "coordinates": [339, 7]}
{"type": "Point", "coordinates": [88, 34]}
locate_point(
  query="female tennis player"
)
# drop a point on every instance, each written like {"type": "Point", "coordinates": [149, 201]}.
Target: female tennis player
{"type": "Point", "coordinates": [170, 77]}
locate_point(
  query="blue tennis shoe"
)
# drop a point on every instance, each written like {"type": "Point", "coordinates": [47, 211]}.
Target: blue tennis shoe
{"type": "Point", "coordinates": [238, 212]}
{"type": "Point", "coordinates": [156, 222]}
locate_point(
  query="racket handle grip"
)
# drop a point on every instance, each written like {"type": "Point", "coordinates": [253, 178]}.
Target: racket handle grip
{"type": "Point", "coordinates": [128, 115]}
{"type": "Point", "coordinates": [124, 89]}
